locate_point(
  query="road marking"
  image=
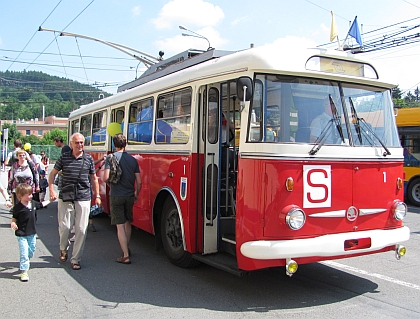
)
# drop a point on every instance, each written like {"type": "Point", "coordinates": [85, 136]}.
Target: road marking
{"type": "Point", "coordinates": [363, 272]}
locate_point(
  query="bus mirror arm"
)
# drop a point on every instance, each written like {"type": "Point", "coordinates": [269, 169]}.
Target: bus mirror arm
{"type": "Point", "coordinates": [244, 100]}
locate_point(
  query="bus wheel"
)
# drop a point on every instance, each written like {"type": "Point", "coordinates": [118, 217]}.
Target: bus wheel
{"type": "Point", "coordinates": [413, 192]}
{"type": "Point", "coordinates": [172, 237]}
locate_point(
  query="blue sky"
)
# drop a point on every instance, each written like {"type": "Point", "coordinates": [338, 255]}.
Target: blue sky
{"type": "Point", "coordinates": [151, 26]}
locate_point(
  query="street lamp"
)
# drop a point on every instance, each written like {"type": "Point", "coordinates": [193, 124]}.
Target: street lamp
{"type": "Point", "coordinates": [196, 35]}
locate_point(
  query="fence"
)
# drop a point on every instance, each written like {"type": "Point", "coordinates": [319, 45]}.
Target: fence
{"type": "Point", "coordinates": [52, 151]}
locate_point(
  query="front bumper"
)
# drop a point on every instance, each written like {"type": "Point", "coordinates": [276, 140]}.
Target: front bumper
{"type": "Point", "coordinates": [323, 246]}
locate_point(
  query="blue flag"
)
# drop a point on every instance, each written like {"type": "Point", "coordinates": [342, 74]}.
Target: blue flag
{"type": "Point", "coordinates": [355, 32]}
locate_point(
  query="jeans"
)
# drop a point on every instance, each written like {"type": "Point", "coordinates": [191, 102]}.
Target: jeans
{"type": "Point", "coordinates": [27, 246]}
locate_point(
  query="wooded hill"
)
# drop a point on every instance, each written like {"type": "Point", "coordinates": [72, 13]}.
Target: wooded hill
{"type": "Point", "coordinates": [22, 95]}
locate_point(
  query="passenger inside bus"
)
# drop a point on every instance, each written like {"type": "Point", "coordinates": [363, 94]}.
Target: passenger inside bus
{"type": "Point", "coordinates": [322, 122]}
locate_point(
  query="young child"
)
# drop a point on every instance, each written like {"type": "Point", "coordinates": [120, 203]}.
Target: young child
{"type": "Point", "coordinates": [23, 223]}
{"type": "Point", "coordinates": [43, 185]}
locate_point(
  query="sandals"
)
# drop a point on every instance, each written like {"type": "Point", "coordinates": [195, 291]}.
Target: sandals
{"type": "Point", "coordinates": [123, 260]}
{"type": "Point", "coordinates": [76, 266]}
{"type": "Point", "coordinates": [63, 256]}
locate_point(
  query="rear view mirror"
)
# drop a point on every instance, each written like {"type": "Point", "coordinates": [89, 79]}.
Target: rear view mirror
{"type": "Point", "coordinates": [244, 88]}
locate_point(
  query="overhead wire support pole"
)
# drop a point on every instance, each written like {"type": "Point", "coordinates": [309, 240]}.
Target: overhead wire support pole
{"type": "Point", "coordinates": [147, 59]}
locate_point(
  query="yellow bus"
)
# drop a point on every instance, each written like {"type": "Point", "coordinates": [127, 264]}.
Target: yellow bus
{"type": "Point", "coordinates": [408, 123]}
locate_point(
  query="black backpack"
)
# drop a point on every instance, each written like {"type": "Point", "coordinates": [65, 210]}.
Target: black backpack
{"type": "Point", "coordinates": [115, 170]}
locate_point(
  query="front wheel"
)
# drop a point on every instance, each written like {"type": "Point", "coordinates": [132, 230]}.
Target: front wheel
{"type": "Point", "coordinates": [172, 237]}
{"type": "Point", "coordinates": [413, 192]}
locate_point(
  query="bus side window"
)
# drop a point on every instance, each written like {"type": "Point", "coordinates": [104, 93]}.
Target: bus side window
{"type": "Point", "coordinates": [141, 119]}
{"type": "Point", "coordinates": [173, 119]}
{"type": "Point", "coordinates": [85, 127]}
{"type": "Point", "coordinates": [99, 128]}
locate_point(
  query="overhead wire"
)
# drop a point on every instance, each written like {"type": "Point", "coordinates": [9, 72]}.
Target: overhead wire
{"type": "Point", "coordinates": [35, 33]}
{"type": "Point", "coordinates": [62, 30]}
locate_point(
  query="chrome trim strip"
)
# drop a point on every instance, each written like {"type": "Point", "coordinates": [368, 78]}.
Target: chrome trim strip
{"type": "Point", "coordinates": [336, 213]}
{"type": "Point", "coordinates": [370, 211]}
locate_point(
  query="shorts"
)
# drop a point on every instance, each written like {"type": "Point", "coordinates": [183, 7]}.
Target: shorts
{"type": "Point", "coordinates": [121, 209]}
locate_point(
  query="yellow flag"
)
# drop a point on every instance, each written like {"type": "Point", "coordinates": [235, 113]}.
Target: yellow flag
{"type": "Point", "coordinates": [334, 31]}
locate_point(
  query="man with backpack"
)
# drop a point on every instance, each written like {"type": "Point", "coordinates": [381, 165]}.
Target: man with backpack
{"type": "Point", "coordinates": [123, 174]}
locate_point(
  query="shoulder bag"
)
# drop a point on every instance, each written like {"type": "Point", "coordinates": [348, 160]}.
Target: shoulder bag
{"type": "Point", "coordinates": [69, 192]}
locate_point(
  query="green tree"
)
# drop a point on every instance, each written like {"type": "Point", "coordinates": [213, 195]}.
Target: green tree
{"type": "Point", "coordinates": [396, 93]}
{"type": "Point", "coordinates": [13, 132]}
{"type": "Point", "coordinates": [48, 138]}
{"type": "Point", "coordinates": [31, 139]}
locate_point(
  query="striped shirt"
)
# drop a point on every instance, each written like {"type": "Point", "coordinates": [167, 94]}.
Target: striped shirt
{"type": "Point", "coordinates": [71, 168]}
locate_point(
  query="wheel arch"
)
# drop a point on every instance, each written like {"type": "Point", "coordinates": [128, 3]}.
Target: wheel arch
{"type": "Point", "coordinates": [159, 202]}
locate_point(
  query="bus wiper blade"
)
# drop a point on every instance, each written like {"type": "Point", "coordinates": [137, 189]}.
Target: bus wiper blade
{"type": "Point", "coordinates": [369, 128]}
{"type": "Point", "coordinates": [336, 118]}
{"type": "Point", "coordinates": [322, 138]}
{"type": "Point", "coordinates": [355, 120]}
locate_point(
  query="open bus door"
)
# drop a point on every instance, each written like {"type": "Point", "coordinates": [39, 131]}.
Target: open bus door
{"type": "Point", "coordinates": [211, 129]}
{"type": "Point", "coordinates": [219, 167]}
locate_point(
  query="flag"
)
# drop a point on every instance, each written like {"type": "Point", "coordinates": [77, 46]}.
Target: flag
{"type": "Point", "coordinates": [334, 31]}
{"type": "Point", "coordinates": [355, 32]}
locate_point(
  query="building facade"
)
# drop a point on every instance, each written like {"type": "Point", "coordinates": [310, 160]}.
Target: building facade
{"type": "Point", "coordinates": [38, 127]}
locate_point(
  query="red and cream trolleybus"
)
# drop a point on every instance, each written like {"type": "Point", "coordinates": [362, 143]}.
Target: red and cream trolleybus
{"type": "Point", "coordinates": [259, 158]}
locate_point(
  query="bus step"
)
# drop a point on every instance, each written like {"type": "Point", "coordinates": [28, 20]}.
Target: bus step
{"type": "Point", "coordinates": [221, 261]}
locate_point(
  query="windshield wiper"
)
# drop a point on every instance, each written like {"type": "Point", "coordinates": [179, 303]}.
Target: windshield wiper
{"type": "Point", "coordinates": [336, 118]}
{"type": "Point", "coordinates": [357, 120]}
{"type": "Point", "coordinates": [323, 137]}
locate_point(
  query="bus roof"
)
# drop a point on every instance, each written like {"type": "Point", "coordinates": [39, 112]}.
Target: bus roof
{"type": "Point", "coordinates": [265, 59]}
{"type": "Point", "coordinates": [408, 117]}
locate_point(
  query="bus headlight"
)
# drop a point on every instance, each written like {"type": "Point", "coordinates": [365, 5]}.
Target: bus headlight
{"type": "Point", "coordinates": [399, 210]}
{"type": "Point", "coordinates": [295, 218]}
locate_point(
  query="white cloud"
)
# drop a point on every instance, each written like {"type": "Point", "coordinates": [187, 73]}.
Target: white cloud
{"type": "Point", "coordinates": [292, 42]}
{"type": "Point", "coordinates": [238, 20]}
{"type": "Point", "coordinates": [188, 13]}
{"type": "Point", "coordinates": [180, 43]}
{"type": "Point", "coordinates": [136, 10]}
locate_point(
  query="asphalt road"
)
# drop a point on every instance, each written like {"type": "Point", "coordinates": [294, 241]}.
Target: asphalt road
{"type": "Point", "coordinates": [376, 286]}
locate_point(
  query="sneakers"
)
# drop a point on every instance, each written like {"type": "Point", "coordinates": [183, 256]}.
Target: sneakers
{"type": "Point", "coordinates": [24, 277]}
{"type": "Point", "coordinates": [72, 239]}
{"type": "Point", "coordinates": [92, 228]}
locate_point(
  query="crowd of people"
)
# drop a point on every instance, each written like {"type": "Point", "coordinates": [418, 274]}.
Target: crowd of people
{"type": "Point", "coordinates": [73, 183]}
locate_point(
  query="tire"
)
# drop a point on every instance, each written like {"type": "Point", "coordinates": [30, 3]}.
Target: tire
{"type": "Point", "coordinates": [172, 240]}
{"type": "Point", "coordinates": [413, 192]}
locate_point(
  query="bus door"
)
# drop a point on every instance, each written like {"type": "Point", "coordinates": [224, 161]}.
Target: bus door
{"type": "Point", "coordinates": [210, 136]}
{"type": "Point", "coordinates": [229, 147]}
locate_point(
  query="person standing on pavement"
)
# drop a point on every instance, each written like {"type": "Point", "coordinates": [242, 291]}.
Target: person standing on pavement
{"type": "Point", "coordinates": [123, 194]}
{"type": "Point", "coordinates": [45, 160]}
{"type": "Point", "coordinates": [12, 157]}
{"type": "Point", "coordinates": [76, 166]}
{"type": "Point", "coordinates": [23, 171]}
{"type": "Point", "coordinates": [23, 223]}
{"type": "Point", "coordinates": [58, 141]}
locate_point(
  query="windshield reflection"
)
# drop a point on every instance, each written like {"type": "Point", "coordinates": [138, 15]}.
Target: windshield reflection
{"type": "Point", "coordinates": [301, 110]}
